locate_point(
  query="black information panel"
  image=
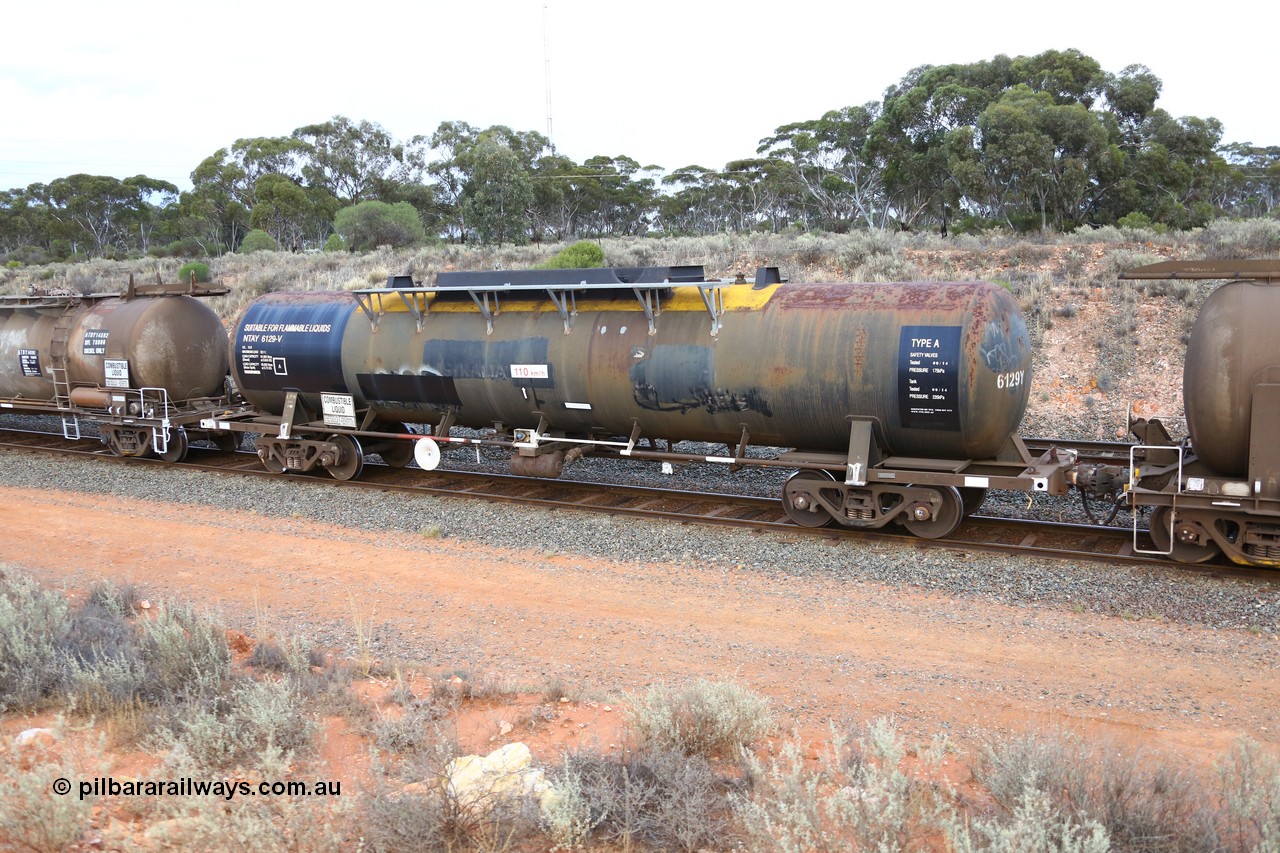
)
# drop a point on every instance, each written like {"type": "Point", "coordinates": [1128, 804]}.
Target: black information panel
{"type": "Point", "coordinates": [95, 341]}
{"type": "Point", "coordinates": [29, 361]}
{"type": "Point", "coordinates": [929, 377]}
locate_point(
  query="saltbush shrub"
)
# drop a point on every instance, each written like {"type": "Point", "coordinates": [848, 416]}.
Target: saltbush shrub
{"type": "Point", "coordinates": [258, 240]}
{"type": "Point", "coordinates": [708, 718]}
{"type": "Point", "coordinates": [199, 268]}
{"type": "Point", "coordinates": [583, 254]}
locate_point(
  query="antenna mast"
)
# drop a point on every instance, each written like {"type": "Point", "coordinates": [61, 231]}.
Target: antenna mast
{"type": "Point", "coordinates": [546, 73]}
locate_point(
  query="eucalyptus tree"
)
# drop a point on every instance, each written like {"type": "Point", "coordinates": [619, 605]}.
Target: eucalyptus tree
{"type": "Point", "coordinates": [483, 180]}
{"type": "Point", "coordinates": [1038, 158]}
{"type": "Point", "coordinates": [99, 212]}
{"type": "Point", "coordinates": [1256, 178]}
{"type": "Point", "coordinates": [351, 160]}
{"type": "Point", "coordinates": [216, 211]}
{"type": "Point", "coordinates": [499, 192]}
{"type": "Point", "coordinates": [620, 197]}
{"type": "Point", "coordinates": [24, 219]}
{"type": "Point", "coordinates": [1180, 170]}
{"type": "Point", "coordinates": [697, 201]}
{"type": "Point", "coordinates": [841, 179]}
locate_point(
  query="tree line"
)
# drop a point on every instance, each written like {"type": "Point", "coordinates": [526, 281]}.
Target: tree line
{"type": "Point", "coordinates": [1046, 142]}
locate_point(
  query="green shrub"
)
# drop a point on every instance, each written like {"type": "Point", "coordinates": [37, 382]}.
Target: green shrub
{"type": "Point", "coordinates": [371, 224]}
{"type": "Point", "coordinates": [335, 243]}
{"type": "Point", "coordinates": [708, 718]}
{"type": "Point", "coordinates": [258, 240]}
{"type": "Point", "coordinates": [581, 255]}
{"type": "Point", "coordinates": [199, 268]}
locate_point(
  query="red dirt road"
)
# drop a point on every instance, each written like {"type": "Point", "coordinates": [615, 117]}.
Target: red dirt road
{"type": "Point", "coordinates": [820, 648]}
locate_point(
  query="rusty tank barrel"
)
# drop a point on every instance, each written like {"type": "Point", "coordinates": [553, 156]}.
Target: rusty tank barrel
{"type": "Point", "coordinates": [1233, 348]}
{"type": "Point", "coordinates": [944, 367]}
{"type": "Point", "coordinates": [173, 342]}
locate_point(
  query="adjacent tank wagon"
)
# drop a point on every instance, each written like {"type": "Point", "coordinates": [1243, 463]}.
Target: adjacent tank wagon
{"type": "Point", "coordinates": [134, 361]}
{"type": "Point", "coordinates": [1218, 491]}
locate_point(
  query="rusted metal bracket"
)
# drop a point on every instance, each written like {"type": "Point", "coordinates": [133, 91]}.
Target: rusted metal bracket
{"type": "Point", "coordinates": [566, 302]}
{"type": "Point", "coordinates": [481, 299]}
{"type": "Point", "coordinates": [446, 423]}
{"type": "Point", "coordinates": [1256, 270]}
{"type": "Point", "coordinates": [713, 297]}
{"type": "Point", "coordinates": [651, 304]}
{"type": "Point", "coordinates": [864, 451]}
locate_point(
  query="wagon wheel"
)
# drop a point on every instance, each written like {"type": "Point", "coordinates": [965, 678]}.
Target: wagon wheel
{"type": "Point", "coordinates": [397, 454]}
{"type": "Point", "coordinates": [273, 465]}
{"type": "Point", "coordinates": [799, 495]}
{"type": "Point", "coordinates": [973, 498]}
{"type": "Point", "coordinates": [1183, 552]}
{"type": "Point", "coordinates": [939, 522]}
{"type": "Point", "coordinates": [178, 446]}
{"type": "Point", "coordinates": [350, 457]}
{"type": "Point", "coordinates": [227, 442]}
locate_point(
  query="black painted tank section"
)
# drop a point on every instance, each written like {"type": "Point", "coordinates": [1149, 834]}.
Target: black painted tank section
{"type": "Point", "coordinates": [291, 343]}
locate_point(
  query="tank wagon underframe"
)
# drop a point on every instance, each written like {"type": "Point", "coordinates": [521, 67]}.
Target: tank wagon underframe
{"type": "Point", "coordinates": [865, 487]}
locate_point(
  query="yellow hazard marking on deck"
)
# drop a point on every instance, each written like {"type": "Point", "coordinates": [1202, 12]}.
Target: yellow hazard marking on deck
{"type": "Point", "coordinates": [739, 297]}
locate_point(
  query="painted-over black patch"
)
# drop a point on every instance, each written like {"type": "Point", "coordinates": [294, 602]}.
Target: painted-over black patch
{"type": "Point", "coordinates": [682, 378]}
{"type": "Point", "coordinates": [399, 388]}
{"type": "Point", "coordinates": [487, 359]}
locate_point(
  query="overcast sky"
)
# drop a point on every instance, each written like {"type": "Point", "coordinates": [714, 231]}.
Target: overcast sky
{"type": "Point", "coordinates": [153, 88]}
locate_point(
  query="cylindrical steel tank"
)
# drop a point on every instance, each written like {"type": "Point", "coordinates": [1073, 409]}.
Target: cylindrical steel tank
{"type": "Point", "coordinates": [171, 342]}
{"type": "Point", "coordinates": [1232, 345]}
{"type": "Point", "coordinates": [944, 367]}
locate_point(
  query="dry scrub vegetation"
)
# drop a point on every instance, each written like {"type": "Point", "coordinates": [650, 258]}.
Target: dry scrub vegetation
{"type": "Point", "coordinates": [702, 765]}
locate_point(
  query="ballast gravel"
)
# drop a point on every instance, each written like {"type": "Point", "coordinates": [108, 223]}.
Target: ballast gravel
{"type": "Point", "coordinates": [1131, 592]}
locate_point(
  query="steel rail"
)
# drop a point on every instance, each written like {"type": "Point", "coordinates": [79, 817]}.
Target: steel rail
{"type": "Point", "coordinates": [978, 533]}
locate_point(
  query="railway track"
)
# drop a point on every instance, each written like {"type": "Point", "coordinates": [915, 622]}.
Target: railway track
{"type": "Point", "coordinates": [981, 533]}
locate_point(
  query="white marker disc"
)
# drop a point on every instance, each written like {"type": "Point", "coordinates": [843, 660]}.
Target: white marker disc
{"type": "Point", "coordinates": [427, 454]}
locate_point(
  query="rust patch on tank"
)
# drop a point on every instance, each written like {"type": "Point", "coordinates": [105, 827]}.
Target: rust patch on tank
{"type": "Point", "coordinates": [920, 295]}
{"type": "Point", "coordinates": [860, 351]}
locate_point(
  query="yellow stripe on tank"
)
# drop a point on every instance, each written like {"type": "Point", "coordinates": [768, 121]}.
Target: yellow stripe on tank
{"type": "Point", "coordinates": [683, 298]}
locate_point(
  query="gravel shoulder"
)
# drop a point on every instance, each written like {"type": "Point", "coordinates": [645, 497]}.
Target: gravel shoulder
{"type": "Point", "coordinates": [941, 640]}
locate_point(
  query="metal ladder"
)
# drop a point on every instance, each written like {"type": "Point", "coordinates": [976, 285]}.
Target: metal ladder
{"type": "Point", "coordinates": [160, 433]}
{"type": "Point", "coordinates": [58, 372]}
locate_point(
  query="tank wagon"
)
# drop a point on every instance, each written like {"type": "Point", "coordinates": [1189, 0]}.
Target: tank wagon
{"type": "Point", "coordinates": [1218, 490]}
{"type": "Point", "coordinates": [899, 402]}
{"type": "Point", "coordinates": [144, 365]}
